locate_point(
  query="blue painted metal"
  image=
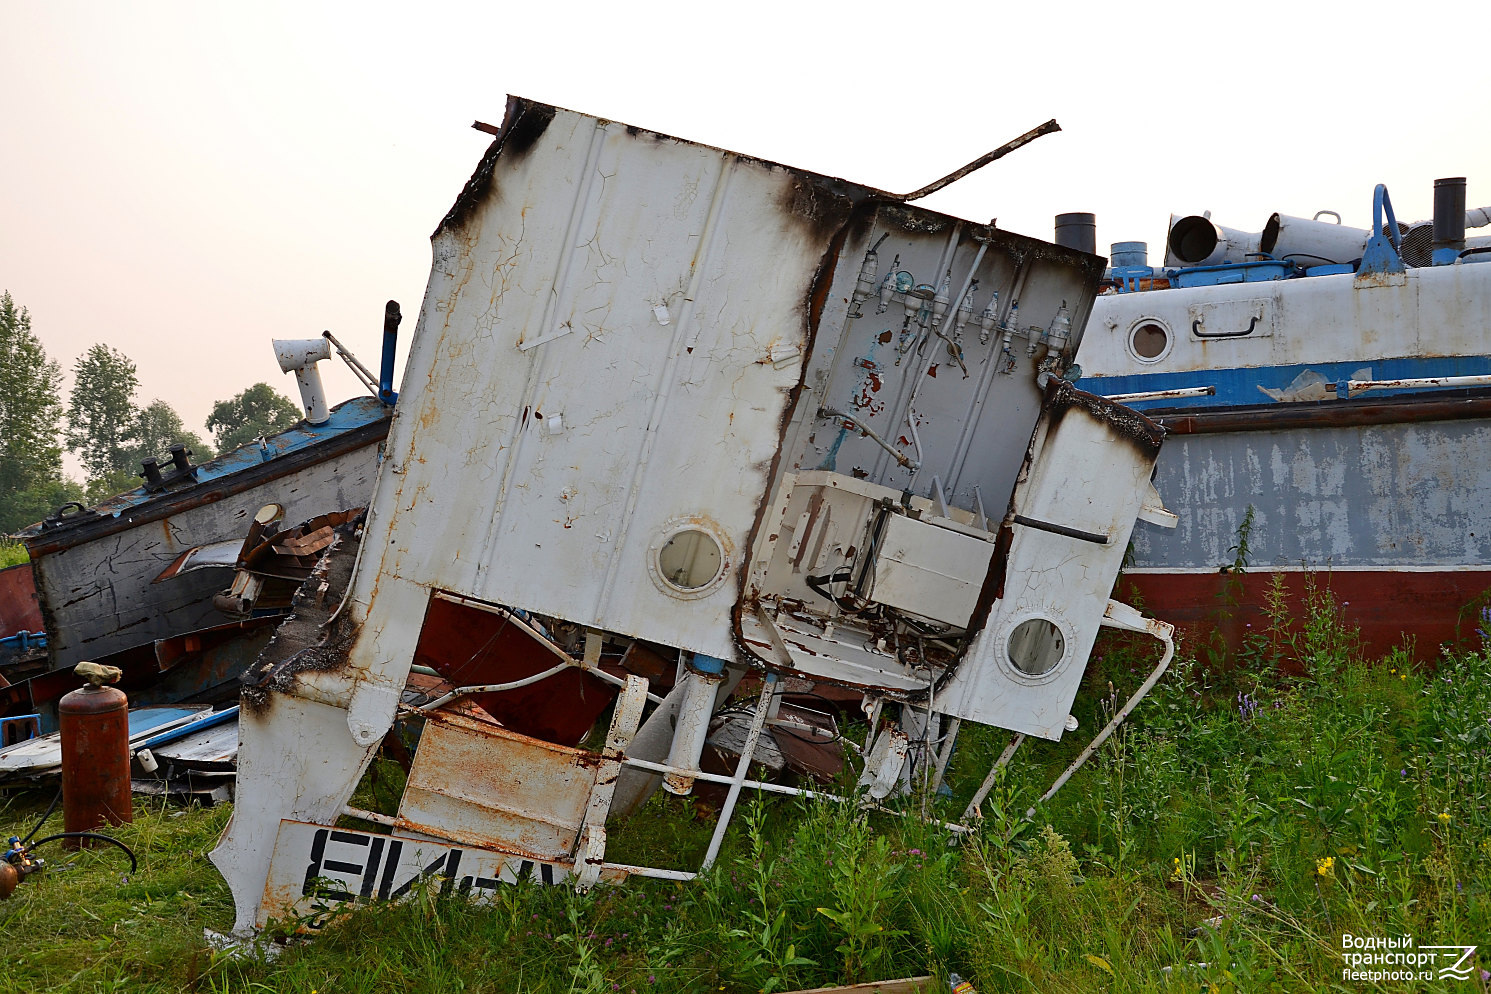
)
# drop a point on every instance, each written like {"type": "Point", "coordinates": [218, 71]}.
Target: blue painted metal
{"type": "Point", "coordinates": [1128, 277]}
{"type": "Point", "coordinates": [8, 734]}
{"type": "Point", "coordinates": [708, 664]}
{"type": "Point", "coordinates": [386, 392]}
{"type": "Point", "coordinates": [345, 417]}
{"type": "Point", "coordinates": [176, 734]}
{"type": "Point", "coordinates": [1237, 272]}
{"type": "Point", "coordinates": [23, 642]}
{"type": "Point", "coordinates": [1381, 256]}
{"type": "Point", "coordinates": [1238, 387]}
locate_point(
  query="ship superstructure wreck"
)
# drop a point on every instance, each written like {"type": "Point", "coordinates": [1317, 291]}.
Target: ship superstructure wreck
{"type": "Point", "coordinates": [670, 407]}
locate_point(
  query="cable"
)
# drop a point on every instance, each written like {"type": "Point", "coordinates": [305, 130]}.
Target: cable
{"type": "Point", "coordinates": [133, 863]}
{"type": "Point", "coordinates": [50, 808]}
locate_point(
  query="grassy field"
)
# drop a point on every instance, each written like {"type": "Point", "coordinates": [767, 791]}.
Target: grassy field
{"type": "Point", "coordinates": [1248, 816]}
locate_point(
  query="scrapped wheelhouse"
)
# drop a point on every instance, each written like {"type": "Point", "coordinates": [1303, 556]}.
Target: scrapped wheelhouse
{"type": "Point", "coordinates": [674, 410]}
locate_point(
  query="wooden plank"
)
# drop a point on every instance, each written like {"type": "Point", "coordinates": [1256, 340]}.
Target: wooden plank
{"type": "Point", "coordinates": [908, 985]}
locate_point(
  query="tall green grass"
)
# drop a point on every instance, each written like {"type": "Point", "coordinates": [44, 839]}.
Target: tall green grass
{"type": "Point", "coordinates": [1245, 818]}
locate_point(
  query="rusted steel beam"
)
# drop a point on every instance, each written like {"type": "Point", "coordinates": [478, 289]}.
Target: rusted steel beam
{"type": "Point", "coordinates": [1327, 414]}
{"type": "Point", "coordinates": [1045, 129]}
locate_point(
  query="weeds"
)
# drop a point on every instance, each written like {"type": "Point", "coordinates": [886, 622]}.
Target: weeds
{"type": "Point", "coordinates": [1226, 837]}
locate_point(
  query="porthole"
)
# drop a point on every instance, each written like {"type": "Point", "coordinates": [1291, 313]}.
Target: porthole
{"type": "Point", "coordinates": [689, 559]}
{"type": "Point", "coordinates": [1036, 646]}
{"type": "Point", "coordinates": [1149, 340]}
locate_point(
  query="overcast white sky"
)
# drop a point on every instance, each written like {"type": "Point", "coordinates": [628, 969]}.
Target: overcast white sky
{"type": "Point", "coordinates": [186, 181]}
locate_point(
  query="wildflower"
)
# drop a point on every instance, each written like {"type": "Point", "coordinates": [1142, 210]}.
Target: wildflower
{"type": "Point", "coordinates": [1403, 772]}
{"type": "Point", "coordinates": [1402, 676]}
{"type": "Point", "coordinates": [1444, 817]}
{"type": "Point", "coordinates": [1326, 867]}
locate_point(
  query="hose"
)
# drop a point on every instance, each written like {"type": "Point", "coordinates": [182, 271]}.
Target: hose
{"type": "Point", "coordinates": [50, 808]}
{"type": "Point", "coordinates": [133, 863]}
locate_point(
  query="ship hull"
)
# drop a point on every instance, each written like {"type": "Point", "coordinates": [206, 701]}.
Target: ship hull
{"type": "Point", "coordinates": [1387, 512]}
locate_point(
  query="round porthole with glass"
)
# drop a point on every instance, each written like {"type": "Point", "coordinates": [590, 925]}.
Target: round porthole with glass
{"type": "Point", "coordinates": [1035, 647]}
{"type": "Point", "coordinates": [1150, 340]}
{"type": "Point", "coordinates": [689, 559]}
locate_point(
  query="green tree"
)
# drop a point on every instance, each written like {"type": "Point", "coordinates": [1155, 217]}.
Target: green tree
{"type": "Point", "coordinates": [158, 428]}
{"type": "Point", "coordinates": [31, 480]}
{"type": "Point", "coordinates": [102, 417]}
{"type": "Point", "coordinates": [259, 410]}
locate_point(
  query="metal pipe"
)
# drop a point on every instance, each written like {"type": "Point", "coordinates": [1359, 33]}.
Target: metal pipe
{"type": "Point", "coordinates": [1078, 231]}
{"type": "Point", "coordinates": [648, 871]}
{"type": "Point", "coordinates": [1351, 387]}
{"type": "Point", "coordinates": [1167, 638]}
{"type": "Point", "coordinates": [1449, 220]}
{"type": "Point", "coordinates": [1197, 240]}
{"type": "Point", "coordinates": [1176, 394]}
{"type": "Point", "coordinates": [365, 815]}
{"type": "Point", "coordinates": [768, 690]}
{"type": "Point", "coordinates": [982, 161]}
{"type": "Point", "coordinates": [691, 728]}
{"type": "Point", "coordinates": [617, 681]}
{"type": "Point", "coordinates": [1311, 242]}
{"type": "Point", "coordinates": [854, 424]}
{"type": "Point", "coordinates": [988, 784]}
{"type": "Point", "coordinates": [493, 688]}
{"type": "Point", "coordinates": [353, 363]}
{"type": "Point", "coordinates": [391, 319]}
{"type": "Point", "coordinates": [1050, 526]}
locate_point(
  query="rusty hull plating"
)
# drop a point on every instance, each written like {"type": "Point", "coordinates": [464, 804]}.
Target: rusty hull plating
{"type": "Point", "coordinates": [665, 400]}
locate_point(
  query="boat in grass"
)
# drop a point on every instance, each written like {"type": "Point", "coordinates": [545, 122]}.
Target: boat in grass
{"type": "Point", "coordinates": [1326, 393]}
{"type": "Point", "coordinates": [177, 582]}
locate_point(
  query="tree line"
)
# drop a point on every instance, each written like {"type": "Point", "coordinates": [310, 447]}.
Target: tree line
{"type": "Point", "coordinates": [102, 422]}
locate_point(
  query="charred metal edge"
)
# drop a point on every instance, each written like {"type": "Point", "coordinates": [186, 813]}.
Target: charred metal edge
{"type": "Point", "coordinates": [56, 540]}
{"type": "Point", "coordinates": [1145, 432]}
{"type": "Point", "coordinates": [523, 123]}
{"type": "Point", "coordinates": [310, 638]}
{"type": "Point", "coordinates": [1468, 405]}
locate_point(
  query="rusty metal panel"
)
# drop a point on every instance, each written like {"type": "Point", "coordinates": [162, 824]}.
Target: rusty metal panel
{"type": "Point", "coordinates": [475, 782]}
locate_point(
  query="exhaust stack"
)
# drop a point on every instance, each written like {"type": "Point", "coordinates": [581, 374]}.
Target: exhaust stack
{"type": "Point", "coordinates": [1449, 220]}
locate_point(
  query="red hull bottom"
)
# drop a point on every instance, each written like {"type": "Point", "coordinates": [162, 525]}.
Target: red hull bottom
{"type": "Point", "coordinates": [1391, 608]}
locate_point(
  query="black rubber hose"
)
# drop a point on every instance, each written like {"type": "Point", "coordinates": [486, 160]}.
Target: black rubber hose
{"type": "Point", "coordinates": [50, 808]}
{"type": "Point", "coordinates": [133, 863]}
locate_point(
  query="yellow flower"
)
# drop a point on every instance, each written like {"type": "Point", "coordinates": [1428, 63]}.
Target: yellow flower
{"type": "Point", "coordinates": [1444, 817]}
{"type": "Point", "coordinates": [1326, 867]}
{"type": "Point", "coordinates": [1393, 670]}
{"type": "Point", "coordinates": [1402, 676]}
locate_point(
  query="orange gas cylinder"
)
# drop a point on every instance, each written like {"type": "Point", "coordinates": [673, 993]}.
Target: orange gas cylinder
{"type": "Point", "coordinates": [94, 722]}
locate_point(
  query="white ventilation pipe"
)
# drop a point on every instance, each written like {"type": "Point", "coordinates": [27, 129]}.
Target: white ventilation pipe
{"type": "Point", "coordinates": [299, 356]}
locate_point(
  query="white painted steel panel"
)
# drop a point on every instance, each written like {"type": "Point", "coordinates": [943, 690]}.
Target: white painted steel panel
{"type": "Point", "coordinates": [1090, 472]}
{"type": "Point", "coordinates": [931, 571]}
